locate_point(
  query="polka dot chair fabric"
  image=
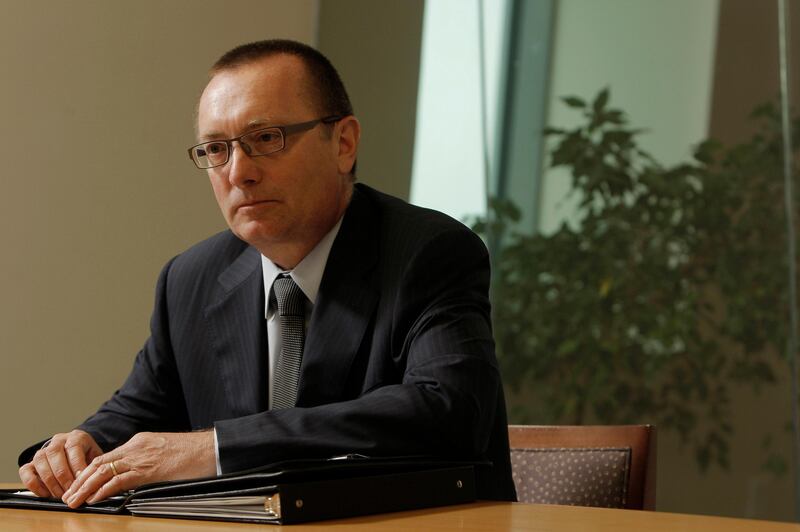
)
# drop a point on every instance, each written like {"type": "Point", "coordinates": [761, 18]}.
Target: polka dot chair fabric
{"type": "Point", "coordinates": [572, 476]}
{"type": "Point", "coordinates": [592, 465]}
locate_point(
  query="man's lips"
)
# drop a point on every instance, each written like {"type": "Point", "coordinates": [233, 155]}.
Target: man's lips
{"type": "Point", "coordinates": [252, 204]}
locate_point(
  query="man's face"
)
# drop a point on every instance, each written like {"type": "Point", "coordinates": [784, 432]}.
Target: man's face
{"type": "Point", "coordinates": [285, 202]}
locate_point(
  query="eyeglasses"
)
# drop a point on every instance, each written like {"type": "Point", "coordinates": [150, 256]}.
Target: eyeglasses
{"type": "Point", "coordinates": [255, 143]}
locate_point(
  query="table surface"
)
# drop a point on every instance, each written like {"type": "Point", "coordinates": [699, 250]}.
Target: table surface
{"type": "Point", "coordinates": [480, 516]}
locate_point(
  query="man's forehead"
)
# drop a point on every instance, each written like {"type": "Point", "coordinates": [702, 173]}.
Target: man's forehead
{"type": "Point", "coordinates": [256, 93]}
{"type": "Point", "coordinates": [281, 73]}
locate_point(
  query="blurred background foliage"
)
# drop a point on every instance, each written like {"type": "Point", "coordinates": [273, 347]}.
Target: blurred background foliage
{"type": "Point", "coordinates": [660, 296]}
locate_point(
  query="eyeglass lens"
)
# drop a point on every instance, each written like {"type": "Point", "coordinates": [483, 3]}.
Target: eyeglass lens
{"type": "Point", "coordinates": [261, 142]}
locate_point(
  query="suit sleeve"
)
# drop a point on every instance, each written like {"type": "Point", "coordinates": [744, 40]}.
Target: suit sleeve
{"type": "Point", "coordinates": [446, 399]}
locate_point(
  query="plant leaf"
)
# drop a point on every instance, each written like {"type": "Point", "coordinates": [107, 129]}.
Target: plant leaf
{"type": "Point", "coordinates": [574, 101]}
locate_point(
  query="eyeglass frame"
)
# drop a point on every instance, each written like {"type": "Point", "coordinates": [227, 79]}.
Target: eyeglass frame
{"type": "Point", "coordinates": [286, 130]}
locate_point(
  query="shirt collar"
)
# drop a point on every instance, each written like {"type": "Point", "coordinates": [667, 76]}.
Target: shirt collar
{"type": "Point", "coordinates": [308, 272]}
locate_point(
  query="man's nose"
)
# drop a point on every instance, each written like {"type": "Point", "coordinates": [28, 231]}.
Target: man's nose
{"type": "Point", "coordinates": [243, 171]}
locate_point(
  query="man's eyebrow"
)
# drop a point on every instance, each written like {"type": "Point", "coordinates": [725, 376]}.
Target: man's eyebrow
{"type": "Point", "coordinates": [251, 126]}
{"type": "Point", "coordinates": [210, 136]}
{"type": "Point", "coordinates": [259, 123]}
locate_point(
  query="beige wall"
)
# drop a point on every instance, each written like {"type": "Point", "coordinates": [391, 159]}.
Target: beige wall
{"type": "Point", "coordinates": [96, 106]}
{"type": "Point", "coordinates": [375, 46]}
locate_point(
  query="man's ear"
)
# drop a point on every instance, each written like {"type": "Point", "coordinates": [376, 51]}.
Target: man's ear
{"type": "Point", "coordinates": [349, 135]}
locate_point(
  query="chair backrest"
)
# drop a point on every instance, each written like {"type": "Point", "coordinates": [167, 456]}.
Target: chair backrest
{"type": "Point", "coordinates": [609, 466]}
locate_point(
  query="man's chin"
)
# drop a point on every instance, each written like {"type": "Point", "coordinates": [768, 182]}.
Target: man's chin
{"type": "Point", "coordinates": [258, 234]}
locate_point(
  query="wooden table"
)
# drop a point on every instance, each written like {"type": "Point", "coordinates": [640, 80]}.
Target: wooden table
{"type": "Point", "coordinates": [482, 516]}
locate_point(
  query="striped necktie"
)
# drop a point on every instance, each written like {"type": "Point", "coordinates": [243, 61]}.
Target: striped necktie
{"type": "Point", "coordinates": [291, 308]}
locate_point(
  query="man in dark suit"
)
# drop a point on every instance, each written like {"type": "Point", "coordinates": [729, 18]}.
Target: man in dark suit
{"type": "Point", "coordinates": [391, 316]}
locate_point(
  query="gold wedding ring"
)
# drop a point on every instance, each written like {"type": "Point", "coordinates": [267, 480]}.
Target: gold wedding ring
{"type": "Point", "coordinates": [113, 468]}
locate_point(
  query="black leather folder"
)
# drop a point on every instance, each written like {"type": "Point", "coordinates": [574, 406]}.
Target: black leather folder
{"type": "Point", "coordinates": [290, 492]}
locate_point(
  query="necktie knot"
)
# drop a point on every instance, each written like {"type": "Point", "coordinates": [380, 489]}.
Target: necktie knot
{"type": "Point", "coordinates": [289, 298]}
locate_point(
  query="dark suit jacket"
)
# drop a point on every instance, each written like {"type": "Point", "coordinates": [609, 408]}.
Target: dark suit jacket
{"type": "Point", "coordinates": [399, 357]}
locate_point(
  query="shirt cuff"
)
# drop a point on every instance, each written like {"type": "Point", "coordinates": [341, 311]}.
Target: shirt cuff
{"type": "Point", "coordinates": [216, 452]}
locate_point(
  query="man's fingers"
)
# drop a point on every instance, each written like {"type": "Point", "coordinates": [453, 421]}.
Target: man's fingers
{"type": "Point", "coordinates": [76, 456]}
{"type": "Point", "coordinates": [42, 467]}
{"type": "Point", "coordinates": [59, 464]}
{"type": "Point", "coordinates": [91, 481]}
{"type": "Point", "coordinates": [55, 466]}
{"type": "Point", "coordinates": [81, 479]}
{"type": "Point", "coordinates": [81, 449]}
{"type": "Point", "coordinates": [117, 484]}
{"type": "Point", "coordinates": [27, 474]}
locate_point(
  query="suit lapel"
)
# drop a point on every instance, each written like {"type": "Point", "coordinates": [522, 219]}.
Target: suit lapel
{"type": "Point", "coordinates": [345, 303]}
{"type": "Point", "coordinates": [237, 321]}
